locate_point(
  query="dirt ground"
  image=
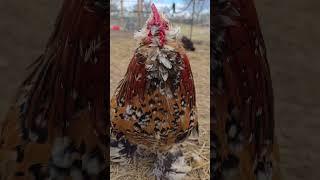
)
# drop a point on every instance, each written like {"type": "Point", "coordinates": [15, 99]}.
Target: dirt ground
{"type": "Point", "coordinates": [292, 37]}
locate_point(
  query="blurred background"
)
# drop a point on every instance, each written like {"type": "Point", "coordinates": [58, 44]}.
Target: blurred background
{"type": "Point", "coordinates": [193, 18]}
{"type": "Point", "coordinates": [130, 15]}
{"type": "Point", "coordinates": [291, 33]}
{"type": "Point", "coordinates": [24, 31]}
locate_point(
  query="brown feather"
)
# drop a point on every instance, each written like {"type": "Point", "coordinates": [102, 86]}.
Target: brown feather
{"type": "Point", "coordinates": [65, 93]}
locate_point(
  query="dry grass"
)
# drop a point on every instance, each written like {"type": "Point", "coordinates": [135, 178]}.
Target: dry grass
{"type": "Point", "coordinates": [122, 47]}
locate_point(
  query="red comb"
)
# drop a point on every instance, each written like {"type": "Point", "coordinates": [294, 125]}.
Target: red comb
{"type": "Point", "coordinates": [155, 13]}
{"type": "Point", "coordinates": [158, 21]}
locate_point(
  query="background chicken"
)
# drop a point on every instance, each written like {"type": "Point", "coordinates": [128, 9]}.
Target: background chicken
{"type": "Point", "coordinates": [154, 108]}
{"type": "Point", "coordinates": [64, 94]}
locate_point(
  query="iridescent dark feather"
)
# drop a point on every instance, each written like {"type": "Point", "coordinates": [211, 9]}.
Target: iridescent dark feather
{"type": "Point", "coordinates": [72, 66]}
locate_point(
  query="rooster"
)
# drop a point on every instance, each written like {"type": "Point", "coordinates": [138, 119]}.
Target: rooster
{"type": "Point", "coordinates": [154, 107]}
{"type": "Point", "coordinates": [65, 94]}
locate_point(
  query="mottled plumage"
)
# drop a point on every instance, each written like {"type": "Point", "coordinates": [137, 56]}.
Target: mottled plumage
{"type": "Point", "coordinates": [154, 107]}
